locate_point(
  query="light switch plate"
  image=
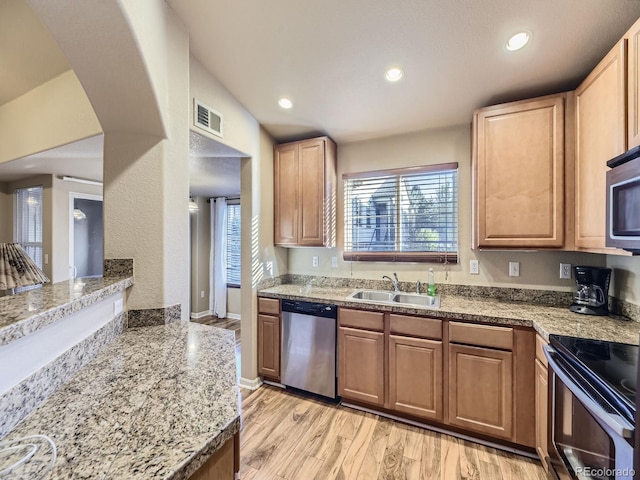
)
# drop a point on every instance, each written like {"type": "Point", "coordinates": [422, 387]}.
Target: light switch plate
{"type": "Point", "coordinates": [117, 306]}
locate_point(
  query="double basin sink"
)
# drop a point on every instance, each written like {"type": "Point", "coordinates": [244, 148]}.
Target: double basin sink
{"type": "Point", "coordinates": [396, 298]}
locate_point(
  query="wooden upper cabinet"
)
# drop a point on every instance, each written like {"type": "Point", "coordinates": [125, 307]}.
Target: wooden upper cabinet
{"type": "Point", "coordinates": [518, 168]}
{"type": "Point", "coordinates": [304, 189]}
{"type": "Point", "coordinates": [601, 115]}
{"type": "Point", "coordinates": [633, 92]}
{"type": "Point", "coordinates": [286, 194]}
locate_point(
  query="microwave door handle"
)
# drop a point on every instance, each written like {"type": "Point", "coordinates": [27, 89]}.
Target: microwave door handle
{"type": "Point", "coordinates": [622, 428]}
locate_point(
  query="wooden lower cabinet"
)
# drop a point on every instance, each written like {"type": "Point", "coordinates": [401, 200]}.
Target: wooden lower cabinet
{"type": "Point", "coordinates": [415, 376]}
{"type": "Point", "coordinates": [361, 365]}
{"type": "Point", "coordinates": [481, 390]}
{"type": "Point", "coordinates": [223, 464]}
{"type": "Point", "coordinates": [542, 412]}
{"type": "Point", "coordinates": [269, 346]}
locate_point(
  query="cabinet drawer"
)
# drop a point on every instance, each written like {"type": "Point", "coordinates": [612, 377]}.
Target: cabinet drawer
{"type": "Point", "coordinates": [481, 335]}
{"type": "Point", "coordinates": [541, 342]}
{"type": "Point", "coordinates": [361, 319]}
{"type": "Point", "coordinates": [416, 326]}
{"type": "Point", "coordinates": [269, 305]}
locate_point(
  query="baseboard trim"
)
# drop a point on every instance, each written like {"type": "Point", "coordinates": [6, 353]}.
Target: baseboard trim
{"type": "Point", "coordinates": [426, 426]}
{"type": "Point", "coordinates": [206, 313]}
{"type": "Point", "coordinates": [234, 316]}
{"type": "Point", "coordinates": [250, 384]}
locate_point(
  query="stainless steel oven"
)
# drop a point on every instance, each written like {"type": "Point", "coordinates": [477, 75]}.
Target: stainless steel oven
{"type": "Point", "coordinates": [592, 426]}
{"type": "Point", "coordinates": [623, 201]}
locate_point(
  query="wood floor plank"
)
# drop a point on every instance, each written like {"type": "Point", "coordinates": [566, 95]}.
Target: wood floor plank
{"type": "Point", "coordinates": [469, 469]}
{"type": "Point", "coordinates": [309, 468]}
{"type": "Point", "coordinates": [431, 458]}
{"type": "Point", "coordinates": [373, 458]}
{"type": "Point", "coordinates": [332, 432]}
{"type": "Point", "coordinates": [450, 458]}
{"type": "Point", "coordinates": [333, 461]}
{"type": "Point", "coordinates": [392, 460]}
{"type": "Point", "coordinates": [356, 454]}
{"type": "Point", "coordinates": [351, 424]}
{"type": "Point", "coordinates": [411, 469]}
{"type": "Point", "coordinates": [488, 463]}
{"type": "Point", "coordinates": [413, 447]}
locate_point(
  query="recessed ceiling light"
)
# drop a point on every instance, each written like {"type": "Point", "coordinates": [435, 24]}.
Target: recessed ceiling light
{"type": "Point", "coordinates": [285, 103]}
{"type": "Point", "coordinates": [517, 41]}
{"type": "Point", "coordinates": [394, 74]}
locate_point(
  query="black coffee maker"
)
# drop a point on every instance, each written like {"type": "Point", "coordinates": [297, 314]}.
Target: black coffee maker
{"type": "Point", "coordinates": [592, 291]}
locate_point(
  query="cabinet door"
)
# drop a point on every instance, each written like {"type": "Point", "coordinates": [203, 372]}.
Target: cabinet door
{"type": "Point", "coordinates": [600, 135]}
{"type": "Point", "coordinates": [542, 412]}
{"type": "Point", "coordinates": [633, 88]}
{"type": "Point", "coordinates": [286, 195]}
{"type": "Point", "coordinates": [361, 365]}
{"type": "Point", "coordinates": [481, 390]}
{"type": "Point", "coordinates": [269, 346]}
{"type": "Point", "coordinates": [415, 376]}
{"type": "Point", "coordinates": [311, 169]}
{"type": "Point", "coordinates": [519, 174]}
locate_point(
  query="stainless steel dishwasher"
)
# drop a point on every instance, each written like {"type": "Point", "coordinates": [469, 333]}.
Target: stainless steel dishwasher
{"type": "Point", "coordinates": [309, 347]}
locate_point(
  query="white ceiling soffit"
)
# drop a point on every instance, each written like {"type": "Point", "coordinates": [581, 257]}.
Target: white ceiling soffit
{"type": "Point", "coordinates": [330, 57]}
{"type": "Point", "coordinates": [81, 159]}
{"type": "Point", "coordinates": [202, 146]}
{"type": "Point", "coordinates": [28, 54]}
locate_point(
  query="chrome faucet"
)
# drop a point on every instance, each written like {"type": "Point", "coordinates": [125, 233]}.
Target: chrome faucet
{"type": "Point", "coordinates": [418, 285]}
{"type": "Point", "coordinates": [395, 283]}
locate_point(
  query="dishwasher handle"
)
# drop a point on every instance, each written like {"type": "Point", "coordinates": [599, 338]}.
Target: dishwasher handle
{"type": "Point", "coordinates": [310, 308]}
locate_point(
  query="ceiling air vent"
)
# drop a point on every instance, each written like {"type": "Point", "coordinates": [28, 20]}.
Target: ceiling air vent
{"type": "Point", "coordinates": [207, 118]}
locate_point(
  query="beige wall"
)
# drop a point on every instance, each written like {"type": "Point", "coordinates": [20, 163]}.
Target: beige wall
{"type": "Point", "coordinates": [55, 113]}
{"type": "Point", "coordinates": [625, 279]}
{"type": "Point", "coordinates": [6, 214]}
{"type": "Point", "coordinates": [537, 269]}
{"type": "Point", "coordinates": [60, 223]}
{"type": "Point", "coordinates": [234, 302]}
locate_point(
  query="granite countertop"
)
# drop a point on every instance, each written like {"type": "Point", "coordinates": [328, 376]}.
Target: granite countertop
{"type": "Point", "coordinates": [546, 320]}
{"type": "Point", "coordinates": [26, 312]}
{"type": "Point", "coordinates": [154, 404]}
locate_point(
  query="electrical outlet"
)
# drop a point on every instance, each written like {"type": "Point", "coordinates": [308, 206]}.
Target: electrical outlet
{"type": "Point", "coordinates": [514, 269]}
{"type": "Point", "coordinates": [334, 262]}
{"type": "Point", "coordinates": [474, 267]}
{"type": "Point", "coordinates": [315, 261]}
{"type": "Point", "coordinates": [201, 293]}
{"type": "Point", "coordinates": [46, 259]}
{"type": "Point", "coordinates": [117, 306]}
{"type": "Point", "coordinates": [565, 270]}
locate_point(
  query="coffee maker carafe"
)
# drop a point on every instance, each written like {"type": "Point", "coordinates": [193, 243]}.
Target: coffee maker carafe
{"type": "Point", "coordinates": [592, 291]}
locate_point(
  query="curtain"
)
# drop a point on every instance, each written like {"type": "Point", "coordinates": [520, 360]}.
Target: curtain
{"type": "Point", "coordinates": [218, 258]}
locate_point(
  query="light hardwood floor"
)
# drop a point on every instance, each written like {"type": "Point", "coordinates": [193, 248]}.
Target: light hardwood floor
{"type": "Point", "coordinates": [286, 435]}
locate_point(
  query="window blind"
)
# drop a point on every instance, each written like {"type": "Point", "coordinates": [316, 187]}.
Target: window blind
{"type": "Point", "coordinates": [402, 214]}
{"type": "Point", "coordinates": [28, 226]}
{"type": "Point", "coordinates": [233, 244]}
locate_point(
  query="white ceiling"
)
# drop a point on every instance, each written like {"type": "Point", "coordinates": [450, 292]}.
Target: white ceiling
{"type": "Point", "coordinates": [330, 56]}
{"type": "Point", "coordinates": [81, 159]}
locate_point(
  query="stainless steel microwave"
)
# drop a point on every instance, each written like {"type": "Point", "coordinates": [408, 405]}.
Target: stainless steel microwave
{"type": "Point", "coordinates": [623, 201]}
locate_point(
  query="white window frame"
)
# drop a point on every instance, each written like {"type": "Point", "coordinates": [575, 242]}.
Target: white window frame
{"type": "Point", "coordinates": [17, 235]}
{"type": "Point", "coordinates": [234, 202]}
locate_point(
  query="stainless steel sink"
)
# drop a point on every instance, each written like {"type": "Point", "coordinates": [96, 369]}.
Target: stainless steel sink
{"type": "Point", "coordinates": [373, 295]}
{"type": "Point", "coordinates": [397, 298]}
{"type": "Point", "coordinates": [416, 299]}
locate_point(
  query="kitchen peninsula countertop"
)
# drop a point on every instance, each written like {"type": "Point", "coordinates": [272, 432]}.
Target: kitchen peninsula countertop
{"type": "Point", "coordinates": [24, 313]}
{"type": "Point", "coordinates": [154, 404]}
{"type": "Point", "coordinates": [545, 320]}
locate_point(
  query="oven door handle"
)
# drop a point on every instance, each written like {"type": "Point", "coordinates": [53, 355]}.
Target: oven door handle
{"type": "Point", "coordinates": [614, 422]}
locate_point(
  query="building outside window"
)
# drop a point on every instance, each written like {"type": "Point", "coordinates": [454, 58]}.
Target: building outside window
{"type": "Point", "coordinates": [402, 214]}
{"type": "Point", "coordinates": [28, 222]}
{"type": "Point", "coordinates": [233, 243]}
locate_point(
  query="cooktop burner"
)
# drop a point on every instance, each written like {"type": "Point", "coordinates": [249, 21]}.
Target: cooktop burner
{"type": "Point", "coordinates": [614, 364]}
